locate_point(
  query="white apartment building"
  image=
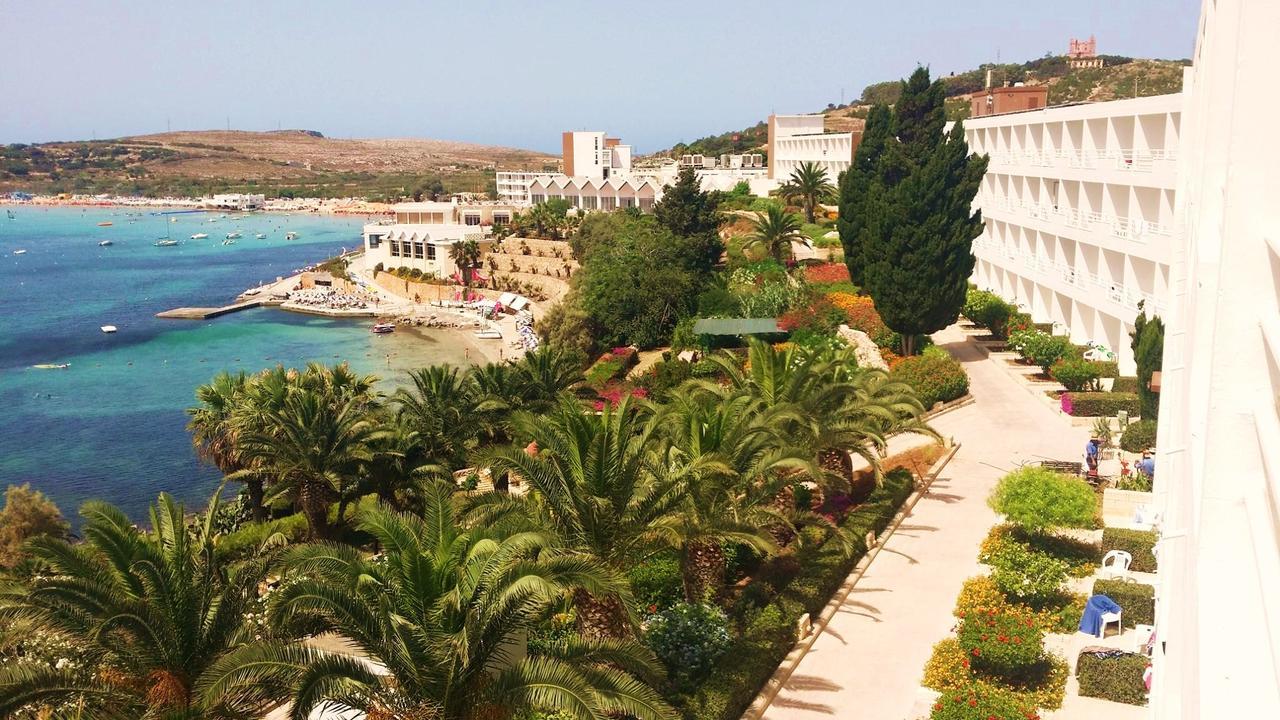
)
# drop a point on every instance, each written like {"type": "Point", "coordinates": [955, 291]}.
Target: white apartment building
{"type": "Point", "coordinates": [235, 201]}
{"type": "Point", "coordinates": [796, 139]}
{"type": "Point", "coordinates": [1078, 202]}
{"type": "Point", "coordinates": [513, 186]}
{"type": "Point", "coordinates": [1217, 483]}
{"type": "Point", "coordinates": [422, 233]}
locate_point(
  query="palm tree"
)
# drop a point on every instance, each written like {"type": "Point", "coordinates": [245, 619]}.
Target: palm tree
{"type": "Point", "coordinates": [400, 469]}
{"type": "Point", "coordinates": [442, 408]}
{"type": "Point", "coordinates": [315, 450]}
{"type": "Point", "coordinates": [549, 372]}
{"type": "Point", "coordinates": [773, 232]}
{"type": "Point", "coordinates": [732, 460]}
{"type": "Point", "coordinates": [151, 611]}
{"type": "Point", "coordinates": [440, 624]}
{"type": "Point", "coordinates": [466, 255]}
{"type": "Point", "coordinates": [808, 184]}
{"type": "Point", "coordinates": [594, 484]}
{"type": "Point", "coordinates": [215, 434]}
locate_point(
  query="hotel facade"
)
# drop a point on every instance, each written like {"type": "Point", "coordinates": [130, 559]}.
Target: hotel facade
{"type": "Point", "coordinates": [422, 234]}
{"type": "Point", "coordinates": [798, 139]}
{"type": "Point", "coordinates": [1078, 203]}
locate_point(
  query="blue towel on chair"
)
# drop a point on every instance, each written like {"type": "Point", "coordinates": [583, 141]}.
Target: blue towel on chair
{"type": "Point", "coordinates": [1091, 620]}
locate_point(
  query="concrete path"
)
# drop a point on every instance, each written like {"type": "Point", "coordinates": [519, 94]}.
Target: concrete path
{"type": "Point", "coordinates": [869, 660]}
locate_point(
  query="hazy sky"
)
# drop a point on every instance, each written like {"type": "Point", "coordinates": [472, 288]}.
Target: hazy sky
{"type": "Point", "coordinates": [511, 73]}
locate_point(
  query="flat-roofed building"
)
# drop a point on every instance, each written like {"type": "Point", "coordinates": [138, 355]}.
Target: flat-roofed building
{"type": "Point", "coordinates": [235, 201]}
{"type": "Point", "coordinates": [422, 233]}
{"type": "Point", "coordinates": [1016, 98]}
{"type": "Point", "coordinates": [797, 139]}
{"type": "Point", "coordinates": [1078, 204]}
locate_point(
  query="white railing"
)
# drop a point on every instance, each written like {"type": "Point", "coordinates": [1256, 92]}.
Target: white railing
{"type": "Point", "coordinates": [1135, 160]}
{"type": "Point", "coordinates": [1093, 285]}
{"type": "Point", "coordinates": [1122, 227]}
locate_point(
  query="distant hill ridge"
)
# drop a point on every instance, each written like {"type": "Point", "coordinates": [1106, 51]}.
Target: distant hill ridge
{"type": "Point", "coordinates": [1119, 77]}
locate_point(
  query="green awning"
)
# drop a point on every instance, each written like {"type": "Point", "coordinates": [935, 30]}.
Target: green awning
{"type": "Point", "coordinates": [737, 326]}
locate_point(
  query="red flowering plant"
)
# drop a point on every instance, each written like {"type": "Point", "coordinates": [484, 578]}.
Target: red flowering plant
{"type": "Point", "coordinates": [1002, 642]}
{"type": "Point", "coordinates": [827, 273]}
{"type": "Point", "coordinates": [1065, 402]}
{"type": "Point", "coordinates": [612, 395]}
{"type": "Point", "coordinates": [819, 316]}
{"type": "Point", "coordinates": [981, 702]}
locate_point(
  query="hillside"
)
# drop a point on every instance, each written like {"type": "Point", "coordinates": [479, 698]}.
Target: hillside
{"type": "Point", "coordinates": [1120, 77]}
{"type": "Point", "coordinates": [291, 162]}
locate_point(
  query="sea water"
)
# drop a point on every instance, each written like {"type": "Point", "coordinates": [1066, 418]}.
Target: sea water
{"type": "Point", "coordinates": [112, 425]}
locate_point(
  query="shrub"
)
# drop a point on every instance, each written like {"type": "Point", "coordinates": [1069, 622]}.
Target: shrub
{"type": "Point", "coordinates": [656, 582]}
{"type": "Point", "coordinates": [827, 273]}
{"type": "Point", "coordinates": [860, 312]}
{"type": "Point", "coordinates": [989, 310]}
{"type": "Point", "coordinates": [250, 537]}
{"type": "Point", "coordinates": [1107, 368]}
{"type": "Point", "coordinates": [1081, 556]}
{"type": "Point", "coordinates": [1099, 404]}
{"type": "Point", "coordinates": [979, 593]}
{"type": "Point", "coordinates": [689, 639]}
{"type": "Point", "coordinates": [1113, 677]}
{"type": "Point", "coordinates": [1039, 499]}
{"type": "Point", "coordinates": [1138, 543]}
{"type": "Point", "coordinates": [934, 378]}
{"type": "Point", "coordinates": [1005, 643]}
{"type": "Point", "coordinates": [819, 316]}
{"type": "Point", "coordinates": [1075, 375]}
{"type": "Point", "coordinates": [1137, 600]}
{"type": "Point", "coordinates": [1026, 575]}
{"type": "Point", "coordinates": [1126, 384]}
{"type": "Point", "coordinates": [981, 702]}
{"type": "Point", "coordinates": [1039, 347]}
{"type": "Point", "coordinates": [1139, 436]}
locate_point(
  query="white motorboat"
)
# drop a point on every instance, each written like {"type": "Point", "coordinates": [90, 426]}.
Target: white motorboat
{"type": "Point", "coordinates": [290, 235]}
{"type": "Point", "coordinates": [19, 252]}
{"type": "Point", "coordinates": [199, 236]}
{"type": "Point", "coordinates": [108, 329]}
{"type": "Point", "coordinates": [260, 236]}
{"type": "Point", "coordinates": [384, 328]}
{"type": "Point", "coordinates": [488, 335]}
{"type": "Point", "coordinates": [233, 235]}
{"type": "Point", "coordinates": [105, 243]}
{"type": "Point", "coordinates": [166, 242]}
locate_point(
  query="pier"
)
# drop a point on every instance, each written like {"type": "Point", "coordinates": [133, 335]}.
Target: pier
{"type": "Point", "coordinates": [204, 313]}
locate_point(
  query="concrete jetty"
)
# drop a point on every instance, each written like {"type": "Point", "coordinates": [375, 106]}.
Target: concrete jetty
{"type": "Point", "coordinates": [204, 313]}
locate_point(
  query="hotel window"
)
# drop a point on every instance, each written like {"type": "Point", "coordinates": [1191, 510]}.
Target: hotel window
{"type": "Point", "coordinates": [417, 250]}
{"type": "Point", "coordinates": [588, 202]}
{"type": "Point", "coordinates": [627, 202]}
{"type": "Point", "coordinates": [374, 241]}
{"type": "Point", "coordinates": [394, 248]}
{"type": "Point", "coordinates": [501, 219]}
{"type": "Point", "coordinates": [538, 198]}
{"type": "Point", "coordinates": [402, 218]}
{"type": "Point", "coordinates": [431, 252]}
{"type": "Point", "coordinates": [608, 203]}
{"type": "Point", "coordinates": [471, 219]}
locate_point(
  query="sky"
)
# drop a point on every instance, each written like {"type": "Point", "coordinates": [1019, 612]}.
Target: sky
{"type": "Point", "coordinates": [512, 73]}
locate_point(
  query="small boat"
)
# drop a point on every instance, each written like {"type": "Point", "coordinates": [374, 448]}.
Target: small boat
{"type": "Point", "coordinates": [166, 242]}
{"type": "Point", "coordinates": [233, 235]}
{"type": "Point", "coordinates": [19, 252]}
{"type": "Point", "coordinates": [260, 236]}
{"type": "Point", "coordinates": [172, 219]}
{"type": "Point", "coordinates": [213, 219]}
{"type": "Point", "coordinates": [290, 235]}
{"type": "Point", "coordinates": [199, 236]}
{"type": "Point", "coordinates": [105, 243]}
{"type": "Point", "coordinates": [10, 214]}
{"type": "Point", "coordinates": [384, 328]}
{"type": "Point", "coordinates": [108, 329]}
{"type": "Point", "coordinates": [52, 366]}
{"type": "Point", "coordinates": [105, 223]}
{"type": "Point", "coordinates": [488, 335]}
{"type": "Point", "coordinates": [229, 241]}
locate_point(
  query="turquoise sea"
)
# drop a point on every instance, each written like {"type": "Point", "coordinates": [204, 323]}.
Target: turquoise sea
{"type": "Point", "coordinates": [112, 424]}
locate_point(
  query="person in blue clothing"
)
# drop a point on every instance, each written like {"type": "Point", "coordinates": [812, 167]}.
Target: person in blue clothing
{"type": "Point", "coordinates": [1091, 457]}
{"type": "Point", "coordinates": [1147, 465]}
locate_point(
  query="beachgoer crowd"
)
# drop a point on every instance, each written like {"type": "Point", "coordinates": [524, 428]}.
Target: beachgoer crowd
{"type": "Point", "coordinates": [334, 300]}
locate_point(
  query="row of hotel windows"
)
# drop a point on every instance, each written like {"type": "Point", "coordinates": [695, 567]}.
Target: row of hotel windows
{"type": "Point", "coordinates": [416, 249]}
{"type": "Point", "coordinates": [592, 202]}
{"type": "Point", "coordinates": [414, 218]}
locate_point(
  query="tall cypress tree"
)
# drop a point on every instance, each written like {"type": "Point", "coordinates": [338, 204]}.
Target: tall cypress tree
{"type": "Point", "coordinates": [855, 184]}
{"type": "Point", "coordinates": [917, 255]}
{"type": "Point", "coordinates": [692, 215]}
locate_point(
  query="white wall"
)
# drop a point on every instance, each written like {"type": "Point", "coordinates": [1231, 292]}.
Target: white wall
{"type": "Point", "coordinates": [1218, 460]}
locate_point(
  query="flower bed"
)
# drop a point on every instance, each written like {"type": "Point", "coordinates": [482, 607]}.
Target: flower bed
{"type": "Point", "coordinates": [827, 273]}
{"type": "Point", "coordinates": [1099, 404]}
{"type": "Point", "coordinates": [1001, 642]}
{"type": "Point", "coordinates": [611, 366]}
{"type": "Point", "coordinates": [935, 376]}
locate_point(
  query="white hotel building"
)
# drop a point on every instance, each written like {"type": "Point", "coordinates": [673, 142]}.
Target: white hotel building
{"type": "Point", "coordinates": [1078, 202]}
{"type": "Point", "coordinates": [797, 139]}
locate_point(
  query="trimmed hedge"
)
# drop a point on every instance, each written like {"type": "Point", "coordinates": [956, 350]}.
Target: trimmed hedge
{"type": "Point", "coordinates": [1137, 543]}
{"type": "Point", "coordinates": [1075, 375]}
{"type": "Point", "coordinates": [1115, 677]}
{"type": "Point", "coordinates": [1099, 404]}
{"type": "Point", "coordinates": [1137, 600]}
{"type": "Point", "coordinates": [250, 537]}
{"type": "Point", "coordinates": [1126, 384]}
{"type": "Point", "coordinates": [1107, 368]}
{"type": "Point", "coordinates": [935, 377]}
{"type": "Point", "coordinates": [770, 632]}
{"type": "Point", "coordinates": [1139, 436]}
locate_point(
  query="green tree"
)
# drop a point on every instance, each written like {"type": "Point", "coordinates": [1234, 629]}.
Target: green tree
{"type": "Point", "coordinates": [591, 483]}
{"type": "Point", "coordinates": [1040, 500]}
{"type": "Point", "coordinates": [810, 185]}
{"type": "Point", "coordinates": [692, 215]}
{"type": "Point", "coordinates": [1147, 341]}
{"type": "Point", "coordinates": [566, 325]}
{"type": "Point", "coordinates": [26, 514]}
{"type": "Point", "coordinates": [855, 223]}
{"type": "Point", "coordinates": [152, 611]}
{"type": "Point", "coordinates": [466, 255]}
{"type": "Point", "coordinates": [215, 432]}
{"type": "Point", "coordinates": [918, 258]}
{"type": "Point", "coordinates": [446, 614]}
{"type": "Point", "coordinates": [441, 407]}
{"type": "Point", "coordinates": [772, 233]}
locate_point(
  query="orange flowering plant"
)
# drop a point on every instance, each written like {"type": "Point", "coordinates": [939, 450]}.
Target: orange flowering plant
{"type": "Point", "coordinates": [1003, 642]}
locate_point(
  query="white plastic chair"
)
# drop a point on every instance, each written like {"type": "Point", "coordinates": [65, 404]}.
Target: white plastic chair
{"type": "Point", "coordinates": [1115, 564]}
{"type": "Point", "coordinates": [1107, 619]}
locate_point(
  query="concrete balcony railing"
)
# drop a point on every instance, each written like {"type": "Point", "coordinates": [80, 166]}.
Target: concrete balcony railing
{"type": "Point", "coordinates": [1023, 262]}
{"type": "Point", "coordinates": [1124, 228]}
{"type": "Point", "coordinates": [1128, 160]}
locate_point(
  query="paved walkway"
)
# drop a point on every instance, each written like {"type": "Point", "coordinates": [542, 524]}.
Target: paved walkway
{"type": "Point", "coordinates": [869, 660]}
